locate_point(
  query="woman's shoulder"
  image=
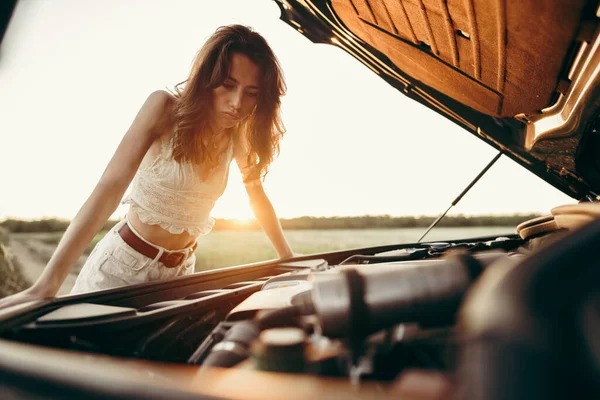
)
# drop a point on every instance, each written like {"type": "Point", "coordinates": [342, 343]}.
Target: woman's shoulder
{"type": "Point", "coordinates": [157, 110]}
{"type": "Point", "coordinates": [157, 105]}
{"type": "Point", "coordinates": [160, 99]}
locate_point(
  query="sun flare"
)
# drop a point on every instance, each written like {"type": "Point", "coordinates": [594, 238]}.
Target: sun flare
{"type": "Point", "coordinates": [243, 222]}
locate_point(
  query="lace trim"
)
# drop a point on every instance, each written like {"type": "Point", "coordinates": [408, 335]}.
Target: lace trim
{"type": "Point", "coordinates": [174, 211]}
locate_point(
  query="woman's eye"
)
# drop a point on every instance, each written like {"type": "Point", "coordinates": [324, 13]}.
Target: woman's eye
{"type": "Point", "coordinates": [252, 94]}
{"type": "Point", "coordinates": [228, 85]}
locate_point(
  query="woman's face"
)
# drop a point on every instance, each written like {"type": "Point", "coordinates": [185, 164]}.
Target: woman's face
{"type": "Point", "coordinates": [238, 95]}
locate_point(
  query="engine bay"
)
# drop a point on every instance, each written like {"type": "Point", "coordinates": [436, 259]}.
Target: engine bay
{"type": "Point", "coordinates": [364, 316]}
{"type": "Point", "coordinates": [352, 318]}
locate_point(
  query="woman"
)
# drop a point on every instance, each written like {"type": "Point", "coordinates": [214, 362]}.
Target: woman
{"type": "Point", "coordinates": [177, 152]}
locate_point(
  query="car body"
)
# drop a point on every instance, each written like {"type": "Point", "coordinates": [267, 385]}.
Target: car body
{"type": "Point", "coordinates": [498, 317]}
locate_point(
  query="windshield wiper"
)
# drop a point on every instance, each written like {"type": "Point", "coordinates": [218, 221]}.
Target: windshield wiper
{"type": "Point", "coordinates": [460, 196]}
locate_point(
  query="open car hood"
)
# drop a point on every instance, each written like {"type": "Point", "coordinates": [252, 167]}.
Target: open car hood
{"type": "Point", "coordinates": [488, 318]}
{"type": "Point", "coordinates": [520, 75]}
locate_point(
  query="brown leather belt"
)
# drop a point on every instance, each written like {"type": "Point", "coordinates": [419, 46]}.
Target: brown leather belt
{"type": "Point", "coordinates": [171, 259]}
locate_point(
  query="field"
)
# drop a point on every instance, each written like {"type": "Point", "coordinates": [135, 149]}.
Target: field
{"type": "Point", "coordinates": [226, 248]}
{"type": "Point", "coordinates": [220, 249]}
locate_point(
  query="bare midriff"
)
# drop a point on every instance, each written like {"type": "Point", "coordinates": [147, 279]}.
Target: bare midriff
{"type": "Point", "coordinates": [158, 236]}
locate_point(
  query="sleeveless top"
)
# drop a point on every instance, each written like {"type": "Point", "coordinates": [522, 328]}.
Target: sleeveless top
{"type": "Point", "coordinates": [173, 195]}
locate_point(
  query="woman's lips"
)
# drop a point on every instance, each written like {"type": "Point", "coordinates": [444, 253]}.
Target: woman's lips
{"type": "Point", "coordinates": [230, 115]}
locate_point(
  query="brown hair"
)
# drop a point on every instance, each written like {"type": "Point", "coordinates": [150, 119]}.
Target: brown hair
{"type": "Point", "coordinates": [262, 129]}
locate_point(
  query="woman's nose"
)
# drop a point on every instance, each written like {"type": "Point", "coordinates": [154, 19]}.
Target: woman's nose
{"type": "Point", "coordinates": [235, 100]}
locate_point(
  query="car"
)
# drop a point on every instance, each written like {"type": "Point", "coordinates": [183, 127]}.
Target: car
{"type": "Point", "coordinates": [497, 317]}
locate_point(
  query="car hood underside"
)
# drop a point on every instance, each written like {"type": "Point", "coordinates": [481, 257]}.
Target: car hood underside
{"type": "Point", "coordinates": [521, 75]}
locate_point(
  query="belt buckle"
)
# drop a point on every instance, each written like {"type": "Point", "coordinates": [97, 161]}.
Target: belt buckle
{"type": "Point", "coordinates": [176, 256]}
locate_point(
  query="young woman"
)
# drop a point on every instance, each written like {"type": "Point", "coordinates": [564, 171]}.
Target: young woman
{"type": "Point", "coordinates": [177, 152]}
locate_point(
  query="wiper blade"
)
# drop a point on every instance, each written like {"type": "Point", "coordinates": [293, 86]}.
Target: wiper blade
{"type": "Point", "coordinates": [460, 196]}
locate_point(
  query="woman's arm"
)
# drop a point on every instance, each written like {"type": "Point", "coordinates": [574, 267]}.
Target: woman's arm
{"type": "Point", "coordinates": [266, 217]}
{"type": "Point", "coordinates": [260, 203]}
{"type": "Point", "coordinates": [103, 200]}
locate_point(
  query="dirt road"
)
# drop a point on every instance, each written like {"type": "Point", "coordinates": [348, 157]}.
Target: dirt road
{"type": "Point", "coordinates": [33, 254]}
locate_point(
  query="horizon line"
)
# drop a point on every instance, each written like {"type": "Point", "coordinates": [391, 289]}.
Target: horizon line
{"type": "Point", "coordinates": [416, 216]}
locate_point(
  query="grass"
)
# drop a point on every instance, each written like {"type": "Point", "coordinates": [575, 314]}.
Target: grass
{"type": "Point", "coordinates": [11, 278]}
{"type": "Point", "coordinates": [226, 248]}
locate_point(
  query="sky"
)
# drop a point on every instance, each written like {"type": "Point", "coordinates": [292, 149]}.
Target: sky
{"type": "Point", "coordinates": [73, 74]}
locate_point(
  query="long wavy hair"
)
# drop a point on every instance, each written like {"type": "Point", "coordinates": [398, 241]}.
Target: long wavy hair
{"type": "Point", "coordinates": [262, 130]}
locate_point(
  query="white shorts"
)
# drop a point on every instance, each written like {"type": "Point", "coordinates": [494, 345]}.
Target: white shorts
{"type": "Point", "coordinates": [114, 263]}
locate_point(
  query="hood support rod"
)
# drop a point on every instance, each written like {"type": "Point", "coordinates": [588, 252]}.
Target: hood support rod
{"type": "Point", "coordinates": [460, 196]}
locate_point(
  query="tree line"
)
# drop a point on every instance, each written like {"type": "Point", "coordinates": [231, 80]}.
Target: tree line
{"type": "Point", "coordinates": [361, 222]}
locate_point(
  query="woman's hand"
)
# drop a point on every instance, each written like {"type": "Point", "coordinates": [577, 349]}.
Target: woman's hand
{"type": "Point", "coordinates": [30, 294]}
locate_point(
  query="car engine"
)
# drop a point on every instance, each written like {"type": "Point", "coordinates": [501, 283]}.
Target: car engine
{"type": "Point", "coordinates": [492, 315]}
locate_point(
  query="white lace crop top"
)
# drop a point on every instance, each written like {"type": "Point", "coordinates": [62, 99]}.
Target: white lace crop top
{"type": "Point", "coordinates": [174, 196]}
